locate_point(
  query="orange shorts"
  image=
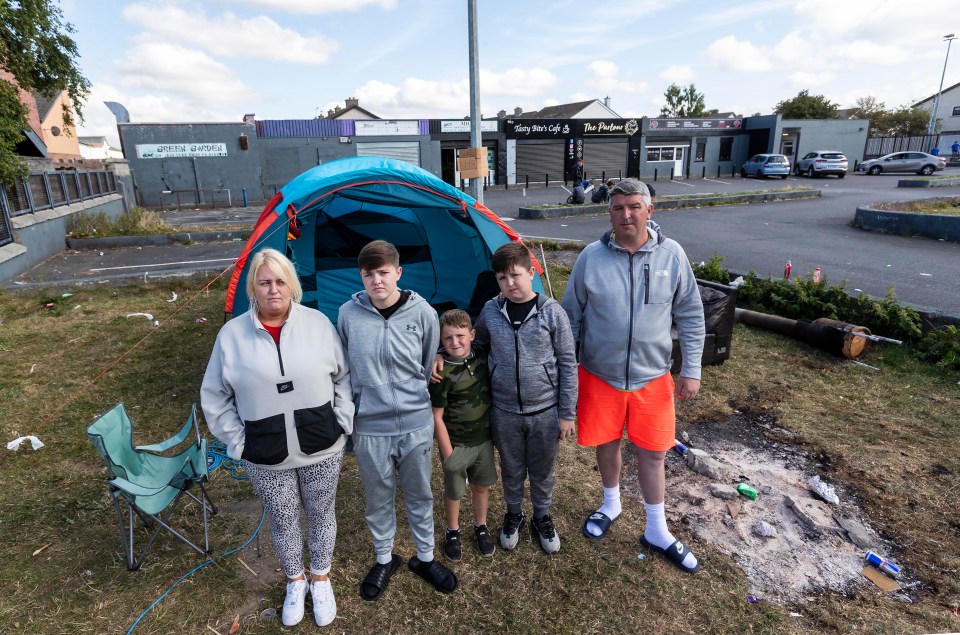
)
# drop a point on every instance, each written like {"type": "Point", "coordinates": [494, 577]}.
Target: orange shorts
{"type": "Point", "coordinates": [648, 413]}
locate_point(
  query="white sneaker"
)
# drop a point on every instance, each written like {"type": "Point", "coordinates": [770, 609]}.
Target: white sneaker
{"type": "Point", "coordinates": [324, 604]}
{"type": "Point", "coordinates": [293, 603]}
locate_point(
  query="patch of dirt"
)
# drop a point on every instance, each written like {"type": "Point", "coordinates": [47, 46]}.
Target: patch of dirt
{"type": "Point", "coordinates": [800, 562]}
{"type": "Point", "coordinates": [565, 257]}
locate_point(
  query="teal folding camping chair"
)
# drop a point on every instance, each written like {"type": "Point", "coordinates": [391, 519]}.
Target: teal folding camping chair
{"type": "Point", "coordinates": [149, 483]}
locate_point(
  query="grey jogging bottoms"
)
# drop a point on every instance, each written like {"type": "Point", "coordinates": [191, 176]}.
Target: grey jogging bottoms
{"type": "Point", "coordinates": [528, 445]}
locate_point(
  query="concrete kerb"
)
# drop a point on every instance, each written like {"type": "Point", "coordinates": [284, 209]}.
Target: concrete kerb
{"type": "Point", "coordinates": [159, 239]}
{"type": "Point", "coordinates": [663, 202]}
{"type": "Point", "coordinates": [941, 226]}
{"type": "Point", "coordinates": [937, 182]}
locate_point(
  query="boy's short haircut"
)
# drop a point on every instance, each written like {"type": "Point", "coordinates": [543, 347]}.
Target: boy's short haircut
{"type": "Point", "coordinates": [378, 253]}
{"type": "Point", "coordinates": [510, 255]}
{"type": "Point", "coordinates": [456, 318]}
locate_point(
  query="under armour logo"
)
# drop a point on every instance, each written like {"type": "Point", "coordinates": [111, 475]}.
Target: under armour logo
{"type": "Point", "coordinates": [412, 327]}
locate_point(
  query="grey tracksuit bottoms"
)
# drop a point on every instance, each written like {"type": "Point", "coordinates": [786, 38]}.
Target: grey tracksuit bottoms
{"type": "Point", "coordinates": [384, 462]}
{"type": "Point", "coordinates": [528, 445]}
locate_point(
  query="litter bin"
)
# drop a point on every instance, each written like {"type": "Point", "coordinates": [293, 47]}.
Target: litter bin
{"type": "Point", "coordinates": [719, 307]}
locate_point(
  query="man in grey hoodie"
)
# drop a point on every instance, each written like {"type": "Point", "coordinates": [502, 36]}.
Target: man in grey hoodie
{"type": "Point", "coordinates": [390, 336]}
{"type": "Point", "coordinates": [625, 292]}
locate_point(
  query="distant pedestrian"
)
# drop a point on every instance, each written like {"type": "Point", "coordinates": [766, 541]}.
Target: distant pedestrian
{"type": "Point", "coordinates": [577, 173]}
{"type": "Point", "coordinates": [955, 150]}
{"type": "Point", "coordinates": [602, 193]}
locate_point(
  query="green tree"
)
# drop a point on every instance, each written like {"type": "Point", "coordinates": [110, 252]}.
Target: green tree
{"type": "Point", "coordinates": [807, 106]}
{"type": "Point", "coordinates": [37, 50]}
{"type": "Point", "coordinates": [907, 121]}
{"type": "Point", "coordinates": [683, 102]}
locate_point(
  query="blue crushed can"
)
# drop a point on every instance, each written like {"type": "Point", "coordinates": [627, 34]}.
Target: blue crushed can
{"type": "Point", "coordinates": [883, 564]}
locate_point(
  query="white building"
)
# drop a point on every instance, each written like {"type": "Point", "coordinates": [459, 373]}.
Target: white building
{"type": "Point", "coordinates": [97, 148]}
{"type": "Point", "coordinates": [948, 113]}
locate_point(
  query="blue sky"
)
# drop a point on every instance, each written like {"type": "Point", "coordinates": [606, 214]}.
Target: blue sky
{"type": "Point", "coordinates": [215, 60]}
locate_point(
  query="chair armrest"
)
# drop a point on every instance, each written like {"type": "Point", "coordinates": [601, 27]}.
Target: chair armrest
{"type": "Point", "coordinates": [179, 437]}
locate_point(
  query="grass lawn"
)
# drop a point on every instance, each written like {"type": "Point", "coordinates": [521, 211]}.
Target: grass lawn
{"type": "Point", "coordinates": [950, 206]}
{"type": "Point", "coordinates": [889, 436]}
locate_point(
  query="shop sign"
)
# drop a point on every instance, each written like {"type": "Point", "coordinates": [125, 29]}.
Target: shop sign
{"type": "Point", "coordinates": [178, 150]}
{"type": "Point", "coordinates": [463, 126]}
{"type": "Point", "coordinates": [695, 124]}
{"type": "Point", "coordinates": [609, 127]}
{"type": "Point", "coordinates": [537, 128]}
{"type": "Point", "coordinates": [380, 127]}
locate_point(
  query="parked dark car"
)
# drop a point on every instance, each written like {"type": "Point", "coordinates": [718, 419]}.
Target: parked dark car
{"type": "Point", "coordinates": [919, 162]}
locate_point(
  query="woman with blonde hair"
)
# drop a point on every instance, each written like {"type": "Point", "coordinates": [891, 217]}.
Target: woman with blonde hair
{"type": "Point", "coordinates": [277, 393]}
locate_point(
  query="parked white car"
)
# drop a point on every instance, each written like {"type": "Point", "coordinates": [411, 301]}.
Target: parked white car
{"type": "Point", "coordinates": [822, 163]}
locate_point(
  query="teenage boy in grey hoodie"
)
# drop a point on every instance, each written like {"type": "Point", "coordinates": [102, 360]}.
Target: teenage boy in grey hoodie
{"type": "Point", "coordinates": [390, 336]}
{"type": "Point", "coordinates": [533, 386]}
{"type": "Point", "coordinates": [624, 293]}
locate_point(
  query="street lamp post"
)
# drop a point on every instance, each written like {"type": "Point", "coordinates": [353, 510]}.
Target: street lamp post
{"type": "Point", "coordinates": [932, 126]}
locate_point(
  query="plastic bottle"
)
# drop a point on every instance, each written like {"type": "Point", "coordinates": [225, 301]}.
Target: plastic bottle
{"type": "Point", "coordinates": [747, 490]}
{"type": "Point", "coordinates": [787, 269]}
{"type": "Point", "coordinates": [816, 274]}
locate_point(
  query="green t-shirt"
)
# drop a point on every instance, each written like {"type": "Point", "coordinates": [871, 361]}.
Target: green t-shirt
{"type": "Point", "coordinates": [464, 394]}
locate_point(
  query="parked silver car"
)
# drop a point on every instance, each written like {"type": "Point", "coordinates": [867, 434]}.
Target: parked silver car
{"type": "Point", "coordinates": [919, 162]}
{"type": "Point", "coordinates": [822, 163]}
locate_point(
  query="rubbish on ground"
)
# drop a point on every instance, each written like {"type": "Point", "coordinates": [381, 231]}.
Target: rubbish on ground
{"type": "Point", "coordinates": [16, 443]}
{"type": "Point", "coordinates": [640, 556]}
{"type": "Point", "coordinates": [824, 491]}
{"type": "Point", "coordinates": [173, 298]}
{"type": "Point", "coordinates": [236, 625]}
{"type": "Point", "coordinates": [873, 574]}
{"type": "Point", "coordinates": [792, 614]}
{"type": "Point", "coordinates": [685, 436]}
{"type": "Point", "coordinates": [66, 295]}
{"type": "Point", "coordinates": [764, 529]}
{"type": "Point", "coordinates": [747, 490]}
{"type": "Point", "coordinates": [40, 550]}
{"type": "Point", "coordinates": [149, 316]}
{"type": "Point", "coordinates": [49, 305]}
{"type": "Point", "coordinates": [787, 270]}
{"type": "Point", "coordinates": [101, 254]}
{"type": "Point", "coordinates": [156, 323]}
{"type": "Point", "coordinates": [734, 509]}
{"type": "Point", "coordinates": [31, 369]}
{"type": "Point", "coordinates": [268, 614]}
{"type": "Point", "coordinates": [201, 320]}
{"type": "Point", "coordinates": [816, 274]}
{"type": "Point", "coordinates": [882, 563]}
{"type": "Point", "coordinates": [737, 282]}
{"type": "Point", "coordinates": [859, 363]}
{"type": "Point", "coordinates": [679, 447]}
{"type": "Point", "coordinates": [752, 599]}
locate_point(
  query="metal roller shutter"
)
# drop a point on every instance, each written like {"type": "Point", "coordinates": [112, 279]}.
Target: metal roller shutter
{"type": "Point", "coordinates": [539, 159]}
{"type": "Point", "coordinates": [408, 151]}
{"type": "Point", "coordinates": [609, 157]}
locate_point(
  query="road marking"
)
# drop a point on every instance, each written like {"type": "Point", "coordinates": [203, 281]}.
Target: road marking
{"type": "Point", "coordinates": [717, 181]}
{"type": "Point", "coordinates": [682, 183]}
{"type": "Point", "coordinates": [559, 240]}
{"type": "Point", "coordinates": [165, 264]}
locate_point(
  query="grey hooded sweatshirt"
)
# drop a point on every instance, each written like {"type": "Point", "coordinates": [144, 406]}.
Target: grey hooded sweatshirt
{"type": "Point", "coordinates": [622, 305]}
{"type": "Point", "coordinates": [389, 363]}
{"type": "Point", "coordinates": [535, 367]}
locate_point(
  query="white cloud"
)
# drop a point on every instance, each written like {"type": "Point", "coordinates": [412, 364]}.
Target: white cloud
{"type": "Point", "coordinates": [314, 7]}
{"type": "Point", "coordinates": [516, 82]}
{"type": "Point", "coordinates": [680, 75]}
{"type": "Point", "coordinates": [415, 97]}
{"type": "Point", "coordinates": [605, 76]}
{"type": "Point", "coordinates": [229, 36]}
{"type": "Point", "coordinates": [805, 79]}
{"type": "Point", "coordinates": [578, 96]}
{"type": "Point", "coordinates": [739, 55]}
{"type": "Point", "coordinates": [793, 47]}
{"type": "Point", "coordinates": [192, 74]}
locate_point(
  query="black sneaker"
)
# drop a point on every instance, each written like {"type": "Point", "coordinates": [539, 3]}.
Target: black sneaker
{"type": "Point", "coordinates": [484, 540]}
{"type": "Point", "coordinates": [542, 529]}
{"type": "Point", "coordinates": [510, 532]}
{"type": "Point", "coordinates": [451, 546]}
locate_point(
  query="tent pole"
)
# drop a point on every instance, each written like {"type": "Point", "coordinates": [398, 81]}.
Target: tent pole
{"type": "Point", "coordinates": [546, 270]}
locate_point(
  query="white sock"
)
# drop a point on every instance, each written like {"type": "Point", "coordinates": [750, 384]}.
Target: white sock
{"type": "Point", "coordinates": [657, 534]}
{"type": "Point", "coordinates": [384, 558]}
{"type": "Point", "coordinates": [611, 507]}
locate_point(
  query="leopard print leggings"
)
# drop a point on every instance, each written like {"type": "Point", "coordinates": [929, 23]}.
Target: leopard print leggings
{"type": "Point", "coordinates": [282, 493]}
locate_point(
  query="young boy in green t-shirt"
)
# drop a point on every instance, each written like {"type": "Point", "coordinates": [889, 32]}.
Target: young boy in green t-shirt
{"type": "Point", "coordinates": [461, 413]}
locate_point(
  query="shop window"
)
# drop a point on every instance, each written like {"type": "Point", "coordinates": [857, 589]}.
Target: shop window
{"type": "Point", "coordinates": [653, 154]}
{"type": "Point", "coordinates": [956, 111]}
{"type": "Point", "coordinates": [701, 151]}
{"type": "Point", "coordinates": [726, 148]}
{"type": "Point", "coordinates": [666, 154]}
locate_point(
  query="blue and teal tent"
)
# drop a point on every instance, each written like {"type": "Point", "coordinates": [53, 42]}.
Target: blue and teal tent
{"type": "Point", "coordinates": [322, 218]}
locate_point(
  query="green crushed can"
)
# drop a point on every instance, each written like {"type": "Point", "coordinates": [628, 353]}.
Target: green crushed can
{"type": "Point", "coordinates": [747, 490]}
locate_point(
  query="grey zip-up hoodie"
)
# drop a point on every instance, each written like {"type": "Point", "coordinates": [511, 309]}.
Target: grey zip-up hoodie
{"type": "Point", "coordinates": [622, 305]}
{"type": "Point", "coordinates": [535, 367]}
{"type": "Point", "coordinates": [389, 363]}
